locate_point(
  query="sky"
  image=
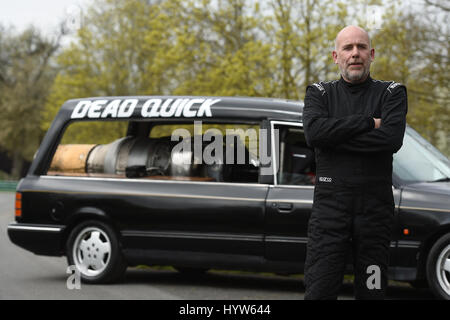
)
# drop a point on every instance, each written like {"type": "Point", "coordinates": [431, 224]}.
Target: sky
{"type": "Point", "coordinates": [47, 14]}
{"type": "Point", "coordinates": [44, 14]}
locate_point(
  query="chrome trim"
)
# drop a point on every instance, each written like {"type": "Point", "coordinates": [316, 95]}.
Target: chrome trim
{"type": "Point", "coordinates": [292, 186]}
{"type": "Point", "coordinates": [179, 196]}
{"type": "Point", "coordinates": [427, 209]}
{"type": "Point", "coordinates": [288, 123]}
{"type": "Point", "coordinates": [273, 155]}
{"type": "Point", "coordinates": [191, 235]}
{"type": "Point", "coordinates": [23, 227]}
{"type": "Point", "coordinates": [291, 201]}
{"type": "Point", "coordinates": [167, 195]}
{"type": "Point", "coordinates": [272, 137]}
{"type": "Point", "coordinates": [301, 240]}
{"type": "Point", "coordinates": [157, 181]}
{"type": "Point", "coordinates": [258, 109]}
{"type": "Point", "coordinates": [282, 239]}
{"type": "Point", "coordinates": [409, 244]}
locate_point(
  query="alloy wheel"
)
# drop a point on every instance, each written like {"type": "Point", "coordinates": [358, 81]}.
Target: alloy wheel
{"type": "Point", "coordinates": [92, 251]}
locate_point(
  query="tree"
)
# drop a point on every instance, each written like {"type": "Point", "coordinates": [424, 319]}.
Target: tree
{"type": "Point", "coordinates": [226, 54]}
{"type": "Point", "coordinates": [121, 49]}
{"type": "Point", "coordinates": [304, 31]}
{"type": "Point", "coordinates": [166, 47]}
{"type": "Point", "coordinates": [271, 48]}
{"type": "Point", "coordinates": [415, 55]}
{"type": "Point", "coordinates": [25, 78]}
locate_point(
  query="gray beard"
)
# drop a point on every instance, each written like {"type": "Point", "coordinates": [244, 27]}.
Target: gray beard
{"type": "Point", "coordinates": [354, 77]}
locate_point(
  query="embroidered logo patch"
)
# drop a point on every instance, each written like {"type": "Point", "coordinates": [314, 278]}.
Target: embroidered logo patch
{"type": "Point", "coordinates": [393, 86]}
{"type": "Point", "coordinates": [320, 87]}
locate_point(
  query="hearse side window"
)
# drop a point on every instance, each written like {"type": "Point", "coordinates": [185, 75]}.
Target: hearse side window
{"type": "Point", "coordinates": [83, 149]}
{"type": "Point", "coordinates": [214, 152]}
{"type": "Point", "coordinates": [208, 153]}
{"type": "Point", "coordinates": [297, 160]}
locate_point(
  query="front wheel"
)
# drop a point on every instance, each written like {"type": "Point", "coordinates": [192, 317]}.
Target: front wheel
{"type": "Point", "coordinates": [93, 248]}
{"type": "Point", "coordinates": [438, 268]}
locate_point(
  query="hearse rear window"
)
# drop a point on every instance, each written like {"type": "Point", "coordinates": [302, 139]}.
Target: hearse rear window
{"type": "Point", "coordinates": [141, 150]}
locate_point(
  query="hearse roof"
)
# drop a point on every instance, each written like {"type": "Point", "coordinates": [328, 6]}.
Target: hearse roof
{"type": "Point", "coordinates": [200, 107]}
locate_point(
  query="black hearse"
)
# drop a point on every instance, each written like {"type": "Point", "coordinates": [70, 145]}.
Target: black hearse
{"type": "Point", "coordinates": [206, 182]}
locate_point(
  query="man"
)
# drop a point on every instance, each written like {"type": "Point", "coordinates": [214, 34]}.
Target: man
{"type": "Point", "coordinates": [355, 125]}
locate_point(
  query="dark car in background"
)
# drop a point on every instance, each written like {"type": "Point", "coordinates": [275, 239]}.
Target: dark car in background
{"type": "Point", "coordinates": [207, 182]}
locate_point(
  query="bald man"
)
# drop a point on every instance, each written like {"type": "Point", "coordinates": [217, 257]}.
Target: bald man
{"type": "Point", "coordinates": [355, 124]}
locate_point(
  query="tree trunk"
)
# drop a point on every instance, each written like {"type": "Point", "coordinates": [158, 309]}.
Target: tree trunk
{"type": "Point", "coordinates": [17, 165]}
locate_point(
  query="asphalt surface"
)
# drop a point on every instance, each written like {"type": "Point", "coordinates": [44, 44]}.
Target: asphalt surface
{"type": "Point", "coordinates": [24, 275]}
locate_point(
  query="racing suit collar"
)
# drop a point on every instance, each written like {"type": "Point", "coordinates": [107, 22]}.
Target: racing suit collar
{"type": "Point", "coordinates": [356, 86]}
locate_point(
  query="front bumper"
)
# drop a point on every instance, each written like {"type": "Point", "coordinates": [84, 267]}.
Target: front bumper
{"type": "Point", "coordinates": [39, 239]}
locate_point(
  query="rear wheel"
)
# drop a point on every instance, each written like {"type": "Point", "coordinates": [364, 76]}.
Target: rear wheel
{"type": "Point", "coordinates": [438, 268]}
{"type": "Point", "coordinates": [93, 248]}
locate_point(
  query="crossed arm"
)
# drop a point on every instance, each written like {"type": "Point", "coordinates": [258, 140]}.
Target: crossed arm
{"type": "Point", "coordinates": [356, 133]}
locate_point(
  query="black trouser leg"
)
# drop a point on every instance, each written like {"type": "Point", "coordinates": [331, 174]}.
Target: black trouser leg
{"type": "Point", "coordinates": [342, 219]}
{"type": "Point", "coordinates": [328, 244]}
{"type": "Point", "coordinates": [371, 241]}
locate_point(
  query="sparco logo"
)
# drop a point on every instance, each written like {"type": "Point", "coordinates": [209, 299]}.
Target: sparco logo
{"type": "Point", "coordinates": [325, 179]}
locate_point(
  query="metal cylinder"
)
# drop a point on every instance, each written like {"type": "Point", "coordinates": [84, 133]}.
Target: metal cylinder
{"type": "Point", "coordinates": [71, 158]}
{"type": "Point", "coordinates": [152, 156]}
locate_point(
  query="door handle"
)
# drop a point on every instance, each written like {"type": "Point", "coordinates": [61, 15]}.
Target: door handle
{"type": "Point", "coordinates": [285, 206]}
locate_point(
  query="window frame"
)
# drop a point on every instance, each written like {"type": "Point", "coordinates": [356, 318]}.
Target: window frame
{"type": "Point", "coordinates": [275, 156]}
{"type": "Point", "coordinates": [153, 122]}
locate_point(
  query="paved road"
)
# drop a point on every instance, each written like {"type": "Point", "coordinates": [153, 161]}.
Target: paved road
{"type": "Point", "coordinates": [24, 275]}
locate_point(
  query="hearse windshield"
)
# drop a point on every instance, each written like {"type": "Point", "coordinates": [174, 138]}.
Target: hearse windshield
{"type": "Point", "coordinates": [419, 161]}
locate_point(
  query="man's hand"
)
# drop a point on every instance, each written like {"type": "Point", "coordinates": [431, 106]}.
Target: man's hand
{"type": "Point", "coordinates": [377, 122]}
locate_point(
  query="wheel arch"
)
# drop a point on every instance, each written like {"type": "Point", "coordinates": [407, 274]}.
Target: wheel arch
{"type": "Point", "coordinates": [426, 248]}
{"type": "Point", "coordinates": [84, 214]}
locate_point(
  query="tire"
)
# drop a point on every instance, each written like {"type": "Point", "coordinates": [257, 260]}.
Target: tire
{"type": "Point", "coordinates": [94, 249]}
{"type": "Point", "coordinates": [438, 268]}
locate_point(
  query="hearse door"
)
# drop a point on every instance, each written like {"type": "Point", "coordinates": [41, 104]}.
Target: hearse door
{"type": "Point", "coordinates": [201, 212]}
{"type": "Point", "coordinates": [209, 217]}
{"type": "Point", "coordinates": [290, 198]}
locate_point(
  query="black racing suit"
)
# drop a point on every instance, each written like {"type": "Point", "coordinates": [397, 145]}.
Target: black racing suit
{"type": "Point", "coordinates": [353, 202]}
